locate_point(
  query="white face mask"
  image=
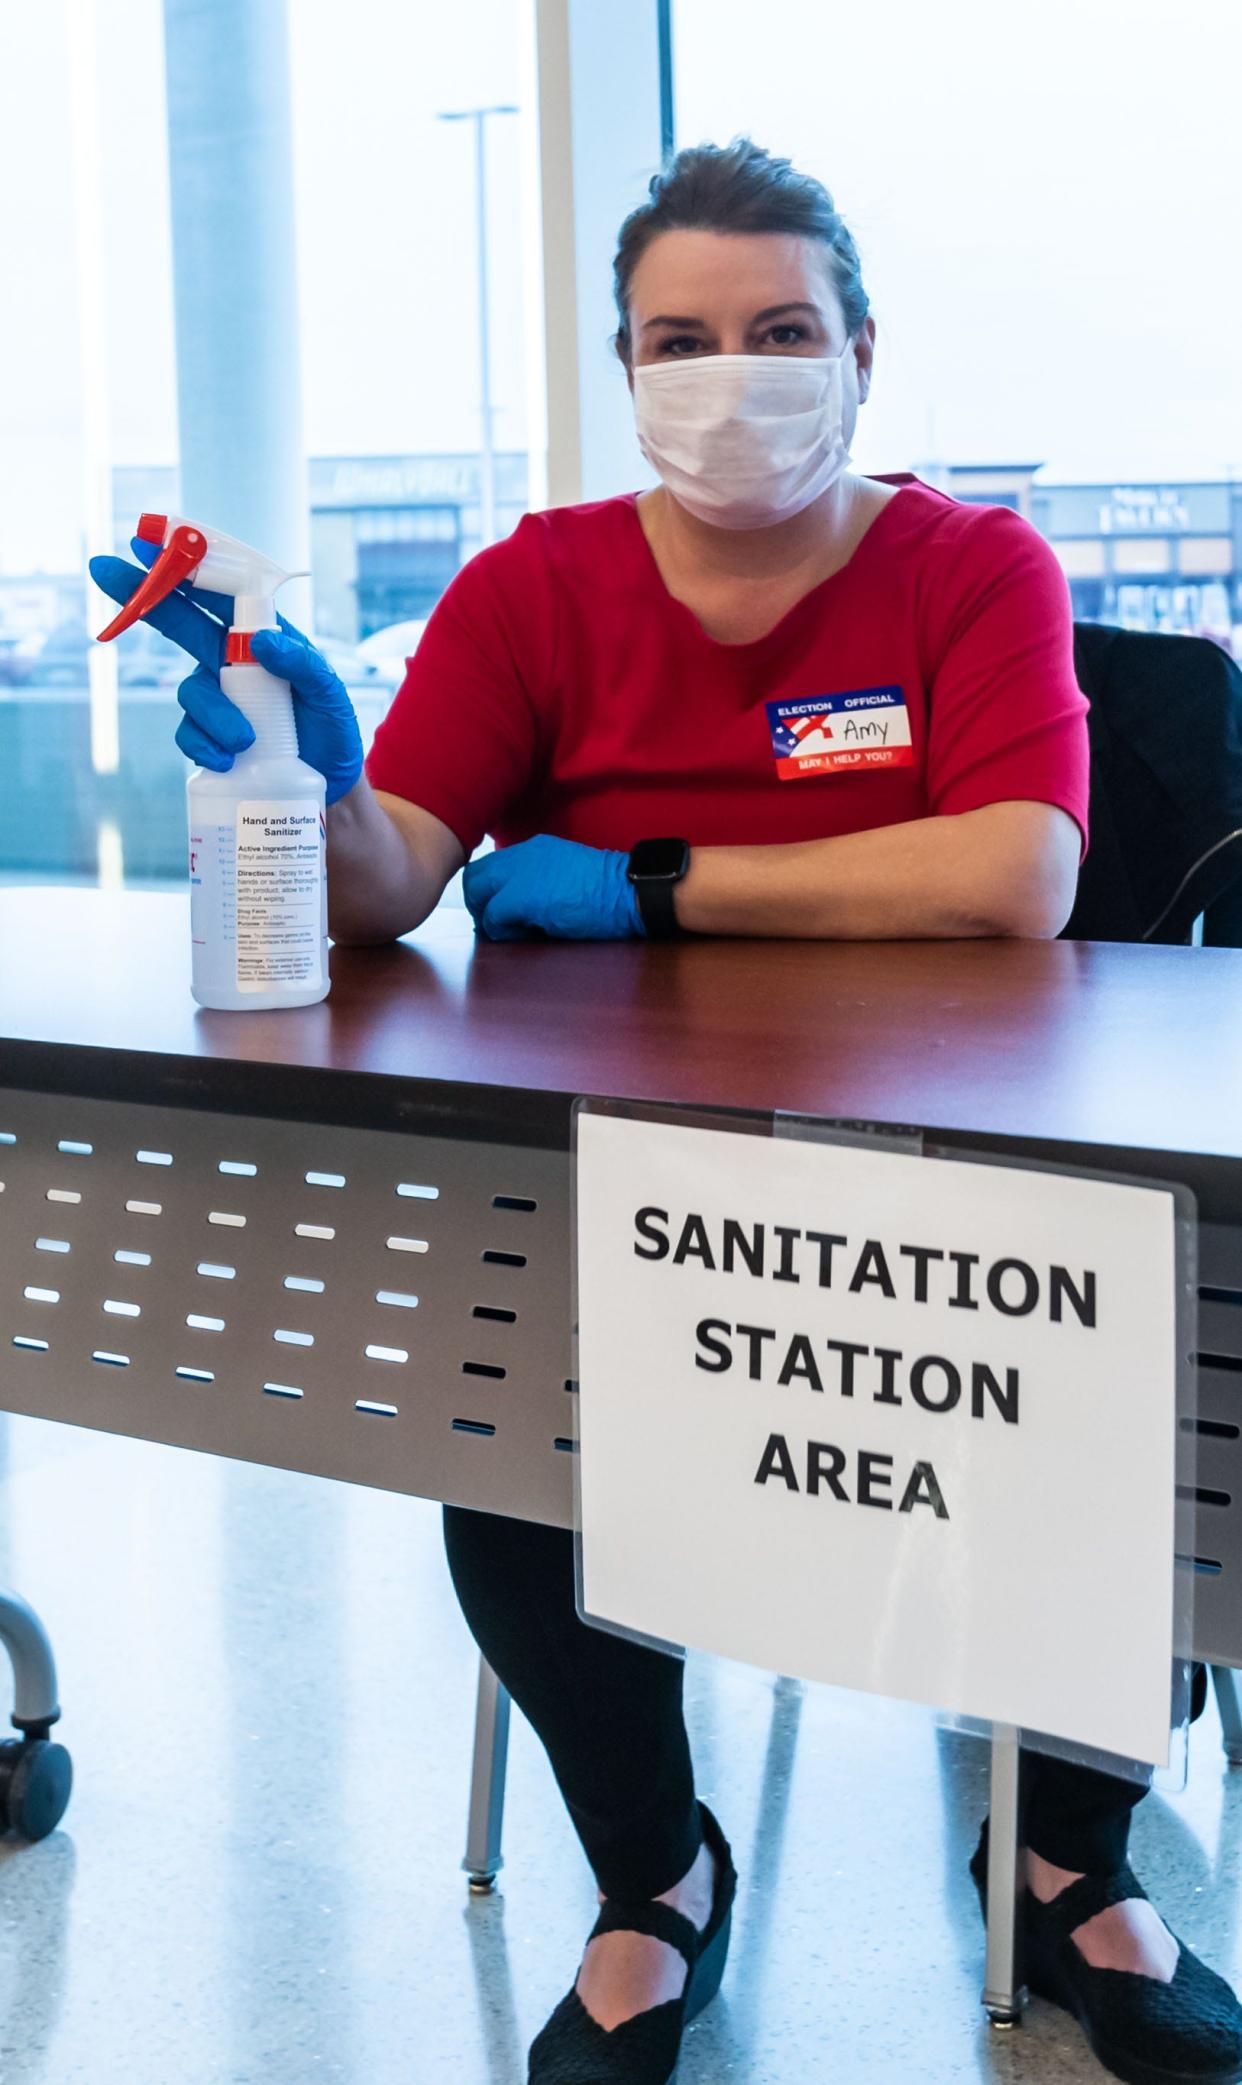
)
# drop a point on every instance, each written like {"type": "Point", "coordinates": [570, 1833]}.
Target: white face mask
{"type": "Point", "coordinates": [743, 440]}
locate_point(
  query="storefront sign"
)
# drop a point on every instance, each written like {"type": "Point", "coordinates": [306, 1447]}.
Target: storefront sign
{"type": "Point", "coordinates": [1141, 508]}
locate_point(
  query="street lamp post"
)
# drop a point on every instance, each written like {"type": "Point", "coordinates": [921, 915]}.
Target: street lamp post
{"type": "Point", "coordinates": [487, 453]}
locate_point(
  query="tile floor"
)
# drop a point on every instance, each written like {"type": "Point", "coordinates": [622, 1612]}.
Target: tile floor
{"type": "Point", "coordinates": [268, 1695]}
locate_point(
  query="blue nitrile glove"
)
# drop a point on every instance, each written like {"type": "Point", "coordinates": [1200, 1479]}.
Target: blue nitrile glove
{"type": "Point", "coordinates": [553, 887]}
{"type": "Point", "coordinates": [213, 729]}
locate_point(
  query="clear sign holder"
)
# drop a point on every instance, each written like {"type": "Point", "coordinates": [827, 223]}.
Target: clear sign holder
{"type": "Point", "coordinates": [1170, 1778]}
{"type": "Point", "coordinates": [628, 1111]}
{"type": "Point", "coordinates": [1009, 1742]}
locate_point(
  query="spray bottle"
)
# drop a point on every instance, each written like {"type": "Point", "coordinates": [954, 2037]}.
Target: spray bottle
{"type": "Point", "coordinates": [258, 834]}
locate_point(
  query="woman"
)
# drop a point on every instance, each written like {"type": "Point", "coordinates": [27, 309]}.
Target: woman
{"type": "Point", "coordinates": [680, 669]}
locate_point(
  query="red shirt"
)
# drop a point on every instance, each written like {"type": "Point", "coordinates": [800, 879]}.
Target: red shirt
{"type": "Point", "coordinates": [559, 687]}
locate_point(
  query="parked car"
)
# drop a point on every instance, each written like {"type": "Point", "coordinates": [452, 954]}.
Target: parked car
{"type": "Point", "coordinates": [357, 670]}
{"type": "Point", "coordinates": [15, 662]}
{"type": "Point", "coordinates": [389, 648]}
{"type": "Point", "coordinates": [145, 659]}
{"type": "Point", "coordinates": [60, 661]}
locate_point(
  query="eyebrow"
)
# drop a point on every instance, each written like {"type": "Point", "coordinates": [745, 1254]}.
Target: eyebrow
{"type": "Point", "coordinates": [773, 311]}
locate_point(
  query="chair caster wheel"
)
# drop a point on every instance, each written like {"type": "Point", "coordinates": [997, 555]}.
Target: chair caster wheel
{"type": "Point", "coordinates": [1003, 2022]}
{"type": "Point", "coordinates": [36, 1777]}
{"type": "Point", "coordinates": [481, 1885]}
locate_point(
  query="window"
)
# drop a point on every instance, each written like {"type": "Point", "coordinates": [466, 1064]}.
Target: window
{"type": "Point", "coordinates": [86, 376]}
{"type": "Point", "coordinates": [990, 499]}
{"type": "Point", "coordinates": [1044, 199]}
{"type": "Point", "coordinates": [401, 486]}
{"type": "Point", "coordinates": [405, 561]}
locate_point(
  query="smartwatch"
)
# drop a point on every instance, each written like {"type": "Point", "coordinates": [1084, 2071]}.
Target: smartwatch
{"type": "Point", "coordinates": [655, 867]}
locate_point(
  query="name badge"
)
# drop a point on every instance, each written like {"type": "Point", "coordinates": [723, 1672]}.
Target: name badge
{"type": "Point", "coordinates": [833, 734]}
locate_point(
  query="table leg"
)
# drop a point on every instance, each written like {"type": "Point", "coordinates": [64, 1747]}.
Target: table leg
{"type": "Point", "coordinates": [1225, 1683]}
{"type": "Point", "coordinates": [484, 1859]}
{"type": "Point", "coordinates": [1004, 1996]}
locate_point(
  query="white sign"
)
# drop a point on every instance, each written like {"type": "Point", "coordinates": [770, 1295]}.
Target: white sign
{"type": "Point", "coordinates": [897, 1423]}
{"type": "Point", "coordinates": [1143, 508]}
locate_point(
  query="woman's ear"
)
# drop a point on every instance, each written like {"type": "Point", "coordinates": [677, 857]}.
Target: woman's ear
{"type": "Point", "coordinates": [864, 357]}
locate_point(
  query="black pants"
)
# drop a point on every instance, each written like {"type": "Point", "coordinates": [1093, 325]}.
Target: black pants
{"type": "Point", "coordinates": [610, 1715]}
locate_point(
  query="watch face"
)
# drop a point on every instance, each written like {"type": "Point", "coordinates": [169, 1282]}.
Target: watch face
{"type": "Point", "coordinates": [663, 860]}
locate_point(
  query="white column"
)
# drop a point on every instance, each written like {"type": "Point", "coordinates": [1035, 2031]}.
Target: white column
{"type": "Point", "coordinates": [83, 25]}
{"type": "Point", "coordinates": [594, 90]}
{"type": "Point", "coordinates": [239, 398]}
{"type": "Point", "coordinates": [487, 433]}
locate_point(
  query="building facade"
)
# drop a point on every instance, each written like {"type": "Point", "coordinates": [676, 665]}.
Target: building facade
{"type": "Point", "coordinates": [387, 532]}
{"type": "Point", "coordinates": [1149, 556]}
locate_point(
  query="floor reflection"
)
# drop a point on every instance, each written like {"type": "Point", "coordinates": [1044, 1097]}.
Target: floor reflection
{"type": "Point", "coordinates": [36, 1888]}
{"type": "Point", "coordinates": [269, 1694]}
{"type": "Point", "coordinates": [499, 2032]}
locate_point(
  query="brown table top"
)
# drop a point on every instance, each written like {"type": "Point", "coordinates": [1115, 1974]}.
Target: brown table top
{"type": "Point", "coordinates": [1075, 1043]}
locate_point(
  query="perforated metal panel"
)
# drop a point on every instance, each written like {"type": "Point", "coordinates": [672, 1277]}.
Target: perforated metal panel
{"type": "Point", "coordinates": [245, 1286]}
{"type": "Point", "coordinates": [386, 1308]}
{"type": "Point", "coordinates": [1218, 1507]}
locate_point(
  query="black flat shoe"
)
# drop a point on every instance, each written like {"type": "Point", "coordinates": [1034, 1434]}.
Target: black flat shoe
{"type": "Point", "coordinates": [573, 2049]}
{"type": "Point", "coordinates": [1185, 2032]}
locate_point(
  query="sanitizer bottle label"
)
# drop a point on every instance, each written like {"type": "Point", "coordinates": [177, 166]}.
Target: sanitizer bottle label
{"type": "Point", "coordinates": [279, 882]}
{"type": "Point", "coordinates": [213, 900]}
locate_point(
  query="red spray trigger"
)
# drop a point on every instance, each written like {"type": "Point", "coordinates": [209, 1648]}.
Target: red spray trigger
{"type": "Point", "coordinates": [180, 558]}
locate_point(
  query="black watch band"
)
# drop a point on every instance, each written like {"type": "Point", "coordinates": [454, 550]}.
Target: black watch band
{"type": "Point", "coordinates": [655, 868]}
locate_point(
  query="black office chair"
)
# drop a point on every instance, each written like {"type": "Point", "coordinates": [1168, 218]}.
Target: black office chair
{"type": "Point", "coordinates": [1166, 789]}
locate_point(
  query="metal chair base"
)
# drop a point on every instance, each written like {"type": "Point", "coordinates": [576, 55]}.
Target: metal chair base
{"type": "Point", "coordinates": [36, 1776]}
{"type": "Point", "coordinates": [35, 1707]}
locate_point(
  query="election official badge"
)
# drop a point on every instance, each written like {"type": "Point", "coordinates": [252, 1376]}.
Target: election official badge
{"type": "Point", "coordinates": [834, 734]}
